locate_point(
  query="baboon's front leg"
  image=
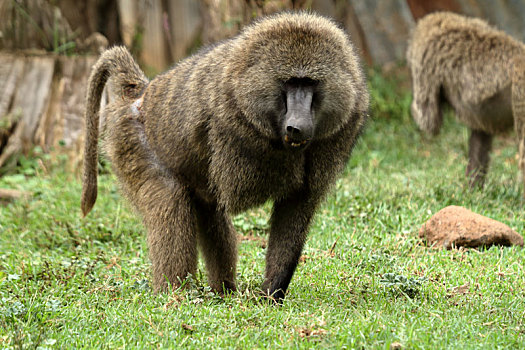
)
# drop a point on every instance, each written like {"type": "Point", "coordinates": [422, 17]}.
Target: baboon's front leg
{"type": "Point", "coordinates": [480, 144]}
{"type": "Point", "coordinates": [289, 226]}
{"type": "Point", "coordinates": [218, 241]}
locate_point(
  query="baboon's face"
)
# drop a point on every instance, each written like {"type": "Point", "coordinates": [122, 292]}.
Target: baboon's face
{"type": "Point", "coordinates": [295, 86]}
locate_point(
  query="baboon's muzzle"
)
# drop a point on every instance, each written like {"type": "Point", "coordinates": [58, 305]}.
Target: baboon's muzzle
{"type": "Point", "coordinates": [298, 126]}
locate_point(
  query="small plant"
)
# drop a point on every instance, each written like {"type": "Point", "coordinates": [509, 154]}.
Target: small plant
{"type": "Point", "coordinates": [407, 285]}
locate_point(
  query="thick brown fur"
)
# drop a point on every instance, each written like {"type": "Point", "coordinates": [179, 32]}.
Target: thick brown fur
{"type": "Point", "coordinates": [476, 68]}
{"type": "Point", "coordinates": [209, 138]}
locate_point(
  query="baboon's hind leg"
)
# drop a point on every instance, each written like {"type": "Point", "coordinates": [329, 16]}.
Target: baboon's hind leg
{"type": "Point", "coordinates": [480, 144]}
{"type": "Point", "coordinates": [169, 217]}
{"type": "Point", "coordinates": [163, 201]}
{"type": "Point", "coordinates": [218, 242]}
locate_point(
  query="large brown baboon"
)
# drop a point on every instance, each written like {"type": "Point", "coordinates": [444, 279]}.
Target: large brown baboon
{"type": "Point", "coordinates": [271, 114]}
{"type": "Point", "coordinates": [480, 71]}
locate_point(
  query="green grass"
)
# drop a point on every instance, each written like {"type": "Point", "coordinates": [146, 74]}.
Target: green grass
{"type": "Point", "coordinates": [365, 280]}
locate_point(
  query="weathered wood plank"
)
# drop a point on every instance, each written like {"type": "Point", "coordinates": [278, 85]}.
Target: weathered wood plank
{"type": "Point", "coordinates": [10, 71]}
{"type": "Point", "coordinates": [386, 25]}
{"type": "Point", "coordinates": [61, 128]}
{"type": "Point", "coordinates": [155, 50]}
{"type": "Point", "coordinates": [31, 98]}
{"type": "Point", "coordinates": [184, 22]}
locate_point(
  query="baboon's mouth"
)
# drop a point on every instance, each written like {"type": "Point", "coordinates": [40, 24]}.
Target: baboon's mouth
{"type": "Point", "coordinates": [295, 143]}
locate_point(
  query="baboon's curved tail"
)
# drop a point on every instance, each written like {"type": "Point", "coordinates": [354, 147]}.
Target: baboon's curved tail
{"type": "Point", "coordinates": [128, 81]}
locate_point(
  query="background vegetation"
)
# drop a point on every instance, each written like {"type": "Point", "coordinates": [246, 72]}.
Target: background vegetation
{"type": "Point", "coordinates": [365, 280]}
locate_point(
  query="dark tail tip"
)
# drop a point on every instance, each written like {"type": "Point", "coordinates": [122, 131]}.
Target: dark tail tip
{"type": "Point", "coordinates": [89, 196]}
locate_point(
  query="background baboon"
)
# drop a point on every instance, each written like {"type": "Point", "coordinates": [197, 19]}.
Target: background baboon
{"type": "Point", "coordinates": [479, 70]}
{"type": "Point", "coordinates": [271, 114]}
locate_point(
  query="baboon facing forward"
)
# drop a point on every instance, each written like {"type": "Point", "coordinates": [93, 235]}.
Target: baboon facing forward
{"type": "Point", "coordinates": [480, 71]}
{"type": "Point", "coordinates": [271, 114]}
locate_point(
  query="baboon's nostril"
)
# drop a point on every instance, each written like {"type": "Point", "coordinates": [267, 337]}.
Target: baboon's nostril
{"type": "Point", "coordinates": [293, 131]}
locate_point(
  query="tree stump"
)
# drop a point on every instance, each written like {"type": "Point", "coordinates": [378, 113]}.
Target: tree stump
{"type": "Point", "coordinates": [42, 104]}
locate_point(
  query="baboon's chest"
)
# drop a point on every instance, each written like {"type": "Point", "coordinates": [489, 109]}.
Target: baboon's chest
{"type": "Point", "coordinates": [277, 175]}
{"type": "Point", "coordinates": [248, 178]}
